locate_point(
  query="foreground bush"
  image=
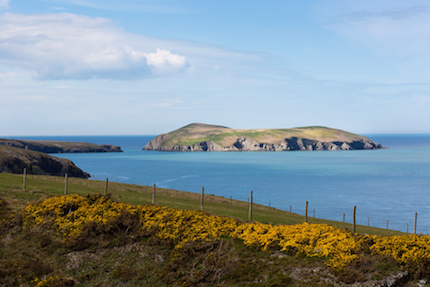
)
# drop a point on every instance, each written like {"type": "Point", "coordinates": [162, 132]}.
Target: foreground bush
{"type": "Point", "coordinates": [82, 221]}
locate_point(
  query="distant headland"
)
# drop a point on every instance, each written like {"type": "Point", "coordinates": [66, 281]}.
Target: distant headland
{"type": "Point", "coordinates": [15, 155]}
{"type": "Point", "coordinates": [59, 146]}
{"type": "Point", "coordinates": [204, 137]}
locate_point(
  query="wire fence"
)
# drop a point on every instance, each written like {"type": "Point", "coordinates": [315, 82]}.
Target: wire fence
{"type": "Point", "coordinates": [344, 215]}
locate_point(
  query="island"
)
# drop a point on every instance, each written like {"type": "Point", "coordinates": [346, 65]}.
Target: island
{"type": "Point", "coordinates": [204, 137]}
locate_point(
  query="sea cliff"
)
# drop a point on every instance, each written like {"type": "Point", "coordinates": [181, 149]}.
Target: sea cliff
{"type": "Point", "coordinates": [14, 160]}
{"type": "Point", "coordinates": [59, 146]}
{"type": "Point", "coordinates": [203, 137]}
{"type": "Point", "coordinates": [16, 154]}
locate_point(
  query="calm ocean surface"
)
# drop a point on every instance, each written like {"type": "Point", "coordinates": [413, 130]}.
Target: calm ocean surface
{"type": "Point", "coordinates": [390, 184]}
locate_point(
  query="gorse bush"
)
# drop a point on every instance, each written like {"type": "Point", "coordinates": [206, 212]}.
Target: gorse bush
{"type": "Point", "coordinates": [73, 216]}
{"type": "Point", "coordinates": [313, 240]}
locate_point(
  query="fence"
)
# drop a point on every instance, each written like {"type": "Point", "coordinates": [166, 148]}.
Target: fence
{"type": "Point", "coordinates": [250, 203]}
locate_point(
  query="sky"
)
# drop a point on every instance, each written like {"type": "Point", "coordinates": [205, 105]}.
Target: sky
{"type": "Point", "coordinates": [145, 67]}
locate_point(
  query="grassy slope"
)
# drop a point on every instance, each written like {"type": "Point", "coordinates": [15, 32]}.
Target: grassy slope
{"type": "Point", "coordinates": [196, 133]}
{"type": "Point", "coordinates": [39, 253]}
{"type": "Point", "coordinates": [14, 160]}
{"type": "Point", "coordinates": [43, 186]}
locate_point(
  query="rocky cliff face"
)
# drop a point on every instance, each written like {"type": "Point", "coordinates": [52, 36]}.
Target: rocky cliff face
{"type": "Point", "coordinates": [248, 144]}
{"type": "Point", "coordinates": [59, 147]}
{"type": "Point", "coordinates": [14, 160]}
{"type": "Point", "coordinates": [203, 137]}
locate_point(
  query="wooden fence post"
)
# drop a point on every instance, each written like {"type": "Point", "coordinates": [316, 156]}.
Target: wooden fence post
{"type": "Point", "coordinates": [343, 218]}
{"type": "Point", "coordinates": [407, 228]}
{"type": "Point", "coordinates": [24, 184]}
{"type": "Point", "coordinates": [353, 219]}
{"type": "Point", "coordinates": [368, 221]}
{"type": "Point", "coordinates": [314, 214]}
{"type": "Point", "coordinates": [415, 224]}
{"type": "Point", "coordinates": [291, 209]}
{"type": "Point", "coordinates": [250, 208]}
{"type": "Point", "coordinates": [306, 212]}
{"type": "Point", "coordinates": [153, 194]}
{"type": "Point", "coordinates": [66, 182]}
{"type": "Point", "coordinates": [202, 206]}
{"type": "Point", "coordinates": [106, 186]}
{"type": "Point", "coordinates": [387, 224]}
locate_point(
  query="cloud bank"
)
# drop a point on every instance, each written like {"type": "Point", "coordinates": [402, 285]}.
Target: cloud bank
{"type": "Point", "coordinates": [69, 46]}
{"type": "Point", "coordinates": [4, 4]}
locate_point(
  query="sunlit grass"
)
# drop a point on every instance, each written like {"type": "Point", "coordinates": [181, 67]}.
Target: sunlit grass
{"type": "Point", "coordinates": [38, 187]}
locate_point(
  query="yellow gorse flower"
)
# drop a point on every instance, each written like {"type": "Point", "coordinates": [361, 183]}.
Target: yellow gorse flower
{"type": "Point", "coordinates": [71, 213]}
{"type": "Point", "coordinates": [405, 248]}
{"type": "Point", "coordinates": [313, 240]}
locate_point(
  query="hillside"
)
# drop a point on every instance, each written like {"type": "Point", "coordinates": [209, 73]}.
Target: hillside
{"type": "Point", "coordinates": [203, 137]}
{"type": "Point", "coordinates": [14, 160]}
{"type": "Point", "coordinates": [59, 146]}
{"type": "Point", "coordinates": [94, 240]}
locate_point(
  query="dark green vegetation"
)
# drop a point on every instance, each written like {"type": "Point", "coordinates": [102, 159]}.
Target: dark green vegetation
{"type": "Point", "coordinates": [15, 155]}
{"type": "Point", "coordinates": [58, 146]}
{"type": "Point", "coordinates": [202, 137]}
{"type": "Point", "coordinates": [127, 257]}
{"type": "Point", "coordinates": [14, 160]}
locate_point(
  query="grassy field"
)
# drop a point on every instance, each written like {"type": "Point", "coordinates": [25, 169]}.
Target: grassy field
{"type": "Point", "coordinates": [38, 187]}
{"type": "Point", "coordinates": [92, 240]}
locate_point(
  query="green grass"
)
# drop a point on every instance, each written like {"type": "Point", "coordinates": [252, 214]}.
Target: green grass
{"type": "Point", "coordinates": [38, 187]}
{"type": "Point", "coordinates": [127, 257]}
{"type": "Point", "coordinates": [193, 134]}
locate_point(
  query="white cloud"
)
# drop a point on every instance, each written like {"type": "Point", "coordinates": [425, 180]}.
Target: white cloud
{"type": "Point", "coordinates": [163, 61]}
{"type": "Point", "coordinates": [68, 46]}
{"type": "Point", "coordinates": [4, 4]}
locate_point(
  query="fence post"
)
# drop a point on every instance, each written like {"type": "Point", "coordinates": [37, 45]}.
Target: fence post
{"type": "Point", "coordinates": [106, 186]}
{"type": "Point", "coordinates": [202, 199]}
{"type": "Point", "coordinates": [353, 220]}
{"type": "Point", "coordinates": [407, 227]}
{"type": "Point", "coordinates": [66, 182]}
{"type": "Point", "coordinates": [306, 212]}
{"type": "Point", "coordinates": [250, 208]}
{"type": "Point", "coordinates": [368, 221]}
{"type": "Point", "coordinates": [24, 184]}
{"type": "Point", "coordinates": [415, 224]}
{"type": "Point", "coordinates": [153, 195]}
{"type": "Point", "coordinates": [314, 214]}
{"type": "Point", "coordinates": [387, 224]}
{"type": "Point", "coordinates": [343, 218]}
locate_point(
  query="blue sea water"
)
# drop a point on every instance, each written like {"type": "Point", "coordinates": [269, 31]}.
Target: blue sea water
{"type": "Point", "coordinates": [388, 184]}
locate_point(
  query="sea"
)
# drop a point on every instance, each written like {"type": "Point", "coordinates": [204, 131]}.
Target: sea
{"type": "Point", "coordinates": [387, 186]}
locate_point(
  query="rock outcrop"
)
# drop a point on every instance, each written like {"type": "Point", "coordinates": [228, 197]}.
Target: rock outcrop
{"type": "Point", "coordinates": [59, 147]}
{"type": "Point", "coordinates": [200, 137]}
{"type": "Point", "coordinates": [14, 160]}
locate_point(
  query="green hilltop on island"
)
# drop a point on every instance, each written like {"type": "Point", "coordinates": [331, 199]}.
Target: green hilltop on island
{"type": "Point", "coordinates": [204, 137]}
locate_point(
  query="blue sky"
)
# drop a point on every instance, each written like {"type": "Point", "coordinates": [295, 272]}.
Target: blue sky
{"type": "Point", "coordinates": [81, 67]}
